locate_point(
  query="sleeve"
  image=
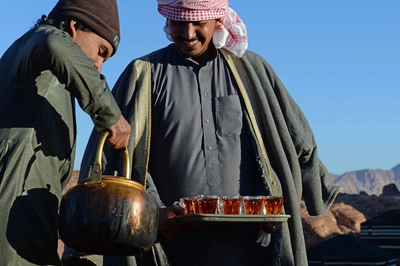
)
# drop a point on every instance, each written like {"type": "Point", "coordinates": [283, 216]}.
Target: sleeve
{"type": "Point", "coordinates": [58, 53]}
{"type": "Point", "coordinates": [318, 190]}
{"type": "Point", "coordinates": [152, 190]}
{"type": "Point", "coordinates": [290, 140]}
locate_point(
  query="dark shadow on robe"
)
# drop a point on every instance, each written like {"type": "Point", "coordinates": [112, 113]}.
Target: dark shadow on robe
{"type": "Point", "coordinates": [32, 227]}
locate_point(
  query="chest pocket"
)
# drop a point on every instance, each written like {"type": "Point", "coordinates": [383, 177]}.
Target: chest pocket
{"type": "Point", "coordinates": [228, 115]}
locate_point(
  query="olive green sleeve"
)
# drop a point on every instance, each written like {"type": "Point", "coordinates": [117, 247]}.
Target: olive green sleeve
{"type": "Point", "coordinates": [73, 68]}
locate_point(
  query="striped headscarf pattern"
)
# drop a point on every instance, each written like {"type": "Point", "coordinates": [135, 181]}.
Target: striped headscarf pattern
{"type": "Point", "coordinates": [230, 31]}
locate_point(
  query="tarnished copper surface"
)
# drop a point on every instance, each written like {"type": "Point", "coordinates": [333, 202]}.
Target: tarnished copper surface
{"type": "Point", "coordinates": [110, 215]}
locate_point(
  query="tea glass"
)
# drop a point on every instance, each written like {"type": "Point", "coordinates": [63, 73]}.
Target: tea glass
{"type": "Point", "coordinates": [273, 204]}
{"type": "Point", "coordinates": [188, 205]}
{"type": "Point", "coordinates": [252, 205]}
{"type": "Point", "coordinates": [231, 204]}
{"type": "Point", "coordinates": [207, 204]}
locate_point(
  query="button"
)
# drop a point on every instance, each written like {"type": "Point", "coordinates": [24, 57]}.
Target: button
{"type": "Point", "coordinates": [208, 120]}
{"type": "Point", "coordinates": [95, 116]}
{"type": "Point", "coordinates": [205, 93]}
{"type": "Point", "coordinates": [210, 147]}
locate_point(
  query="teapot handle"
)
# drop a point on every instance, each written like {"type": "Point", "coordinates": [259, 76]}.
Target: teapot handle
{"type": "Point", "coordinates": [97, 169]}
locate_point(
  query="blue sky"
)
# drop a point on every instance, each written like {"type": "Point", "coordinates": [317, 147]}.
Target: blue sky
{"type": "Point", "coordinates": [338, 59]}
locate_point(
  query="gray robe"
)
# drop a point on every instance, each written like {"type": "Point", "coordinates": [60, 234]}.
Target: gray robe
{"type": "Point", "coordinates": [41, 75]}
{"type": "Point", "coordinates": [284, 143]}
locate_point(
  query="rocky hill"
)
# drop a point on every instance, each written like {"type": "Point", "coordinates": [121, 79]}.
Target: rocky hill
{"type": "Point", "coordinates": [347, 213]}
{"type": "Point", "coordinates": [370, 182]}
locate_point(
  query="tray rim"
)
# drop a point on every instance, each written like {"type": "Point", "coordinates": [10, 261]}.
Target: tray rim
{"type": "Point", "coordinates": [236, 218]}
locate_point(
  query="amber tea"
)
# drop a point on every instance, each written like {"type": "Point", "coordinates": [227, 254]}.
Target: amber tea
{"type": "Point", "coordinates": [252, 205]}
{"type": "Point", "coordinates": [273, 204]}
{"type": "Point", "coordinates": [231, 204]}
{"type": "Point", "coordinates": [188, 205]}
{"type": "Point", "coordinates": [208, 205]}
{"type": "Point", "coordinates": [196, 203]}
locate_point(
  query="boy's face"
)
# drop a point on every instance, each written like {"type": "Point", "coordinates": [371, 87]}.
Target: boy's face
{"type": "Point", "coordinates": [94, 46]}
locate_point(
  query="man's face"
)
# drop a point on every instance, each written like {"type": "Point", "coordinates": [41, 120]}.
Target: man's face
{"type": "Point", "coordinates": [192, 37]}
{"type": "Point", "coordinates": [94, 46]}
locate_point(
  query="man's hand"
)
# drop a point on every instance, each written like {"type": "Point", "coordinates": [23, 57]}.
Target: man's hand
{"type": "Point", "coordinates": [269, 228]}
{"type": "Point", "coordinates": [119, 134]}
{"type": "Point", "coordinates": [171, 227]}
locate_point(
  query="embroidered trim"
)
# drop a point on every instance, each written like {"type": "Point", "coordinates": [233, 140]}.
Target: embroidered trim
{"type": "Point", "coordinates": [243, 82]}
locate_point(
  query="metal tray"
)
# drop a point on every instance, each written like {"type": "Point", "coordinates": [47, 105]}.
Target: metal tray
{"type": "Point", "coordinates": [189, 218]}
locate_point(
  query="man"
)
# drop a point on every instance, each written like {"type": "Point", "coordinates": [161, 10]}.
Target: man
{"type": "Point", "coordinates": [209, 117]}
{"type": "Point", "coordinates": [41, 75]}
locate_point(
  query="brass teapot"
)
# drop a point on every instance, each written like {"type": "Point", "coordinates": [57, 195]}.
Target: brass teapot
{"type": "Point", "coordinates": [108, 215]}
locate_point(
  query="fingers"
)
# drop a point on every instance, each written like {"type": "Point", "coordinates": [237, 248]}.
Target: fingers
{"type": "Point", "coordinates": [119, 134]}
{"type": "Point", "coordinates": [270, 228]}
{"type": "Point", "coordinates": [170, 226]}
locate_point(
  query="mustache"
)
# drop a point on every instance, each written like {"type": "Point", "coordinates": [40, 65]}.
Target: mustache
{"type": "Point", "coordinates": [188, 40]}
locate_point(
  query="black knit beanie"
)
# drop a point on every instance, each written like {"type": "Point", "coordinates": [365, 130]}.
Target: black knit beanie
{"type": "Point", "coordinates": [101, 16]}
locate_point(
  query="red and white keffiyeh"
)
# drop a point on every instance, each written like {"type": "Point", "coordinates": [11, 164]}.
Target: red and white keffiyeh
{"type": "Point", "coordinates": [230, 31]}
